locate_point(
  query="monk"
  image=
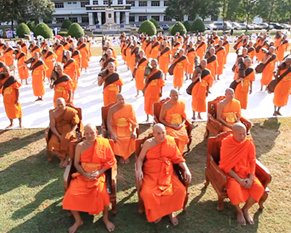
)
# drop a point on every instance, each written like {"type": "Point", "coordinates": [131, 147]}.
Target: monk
{"type": "Point", "coordinates": [282, 47]}
{"type": "Point", "coordinates": [251, 50]}
{"type": "Point", "coordinates": [176, 46]}
{"type": "Point", "coordinates": [63, 124]}
{"type": "Point", "coordinates": [70, 68]}
{"type": "Point", "coordinates": [58, 50]}
{"type": "Point", "coordinates": [63, 86]}
{"type": "Point", "coordinates": [200, 48]}
{"type": "Point", "coordinates": [34, 49]}
{"type": "Point", "coordinates": [134, 49]}
{"type": "Point", "coordinates": [162, 192]}
{"type": "Point", "coordinates": [22, 68]}
{"type": "Point", "coordinates": [23, 46]}
{"type": "Point", "coordinates": [108, 45]}
{"type": "Point", "coordinates": [87, 191]}
{"type": "Point", "coordinates": [38, 75]}
{"type": "Point", "coordinates": [139, 72]}
{"type": "Point", "coordinates": [112, 84]}
{"type": "Point", "coordinates": [153, 88]}
{"type": "Point", "coordinates": [245, 84]}
{"type": "Point", "coordinates": [180, 65]}
{"type": "Point", "coordinates": [173, 116]}
{"type": "Point", "coordinates": [269, 60]}
{"type": "Point", "coordinates": [7, 56]}
{"type": "Point", "coordinates": [109, 59]}
{"type": "Point", "coordinates": [191, 55]}
{"type": "Point", "coordinates": [84, 54]}
{"type": "Point", "coordinates": [201, 78]}
{"type": "Point", "coordinates": [238, 161]}
{"type": "Point", "coordinates": [226, 46]}
{"type": "Point", "coordinates": [148, 48]}
{"type": "Point", "coordinates": [49, 58]}
{"type": "Point", "coordinates": [221, 57]}
{"type": "Point", "coordinates": [212, 63]}
{"type": "Point", "coordinates": [283, 88]}
{"type": "Point", "coordinates": [154, 53]}
{"type": "Point", "coordinates": [164, 58]}
{"type": "Point", "coordinates": [228, 110]}
{"type": "Point", "coordinates": [10, 91]}
{"type": "Point", "coordinates": [76, 55]}
{"type": "Point", "coordinates": [122, 124]}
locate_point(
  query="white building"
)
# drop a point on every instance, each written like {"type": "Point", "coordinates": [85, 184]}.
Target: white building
{"type": "Point", "coordinates": [91, 12]}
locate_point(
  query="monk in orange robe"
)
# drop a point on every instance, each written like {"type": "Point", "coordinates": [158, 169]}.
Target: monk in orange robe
{"type": "Point", "coordinates": [177, 45]}
{"type": "Point", "coordinates": [34, 49]}
{"type": "Point", "coordinates": [122, 124]}
{"type": "Point", "coordinates": [148, 48]}
{"type": "Point", "coordinates": [76, 55]}
{"type": "Point", "coordinates": [283, 88]}
{"type": "Point", "coordinates": [109, 58]}
{"type": "Point", "coordinates": [200, 48]}
{"type": "Point", "coordinates": [251, 51]}
{"type": "Point", "coordinates": [191, 54]}
{"type": "Point", "coordinates": [49, 58]}
{"type": "Point", "coordinates": [228, 110]}
{"type": "Point", "coordinates": [153, 88]}
{"type": "Point", "coordinates": [139, 72]}
{"type": "Point", "coordinates": [201, 81]}
{"type": "Point", "coordinates": [112, 84]}
{"type": "Point", "coordinates": [238, 161]}
{"type": "Point", "coordinates": [221, 57]}
{"type": "Point", "coordinates": [226, 46]}
{"type": "Point", "coordinates": [10, 91]}
{"type": "Point", "coordinates": [164, 58]}
{"type": "Point", "coordinates": [269, 60]}
{"type": "Point", "coordinates": [281, 48]}
{"type": "Point", "coordinates": [63, 124]}
{"type": "Point", "coordinates": [155, 49]}
{"type": "Point", "coordinates": [244, 86]}
{"type": "Point", "coordinates": [87, 191]}
{"type": "Point", "coordinates": [84, 54]}
{"type": "Point", "coordinates": [22, 68]}
{"type": "Point", "coordinates": [162, 192]}
{"type": "Point", "coordinates": [173, 116]}
{"type": "Point", "coordinates": [59, 51]}
{"type": "Point", "coordinates": [63, 86]}
{"type": "Point", "coordinates": [180, 65]}
{"type": "Point", "coordinates": [212, 64]}
{"type": "Point", "coordinates": [132, 56]}
{"type": "Point", "coordinates": [70, 69]}
{"type": "Point", "coordinates": [38, 75]}
{"type": "Point", "coordinates": [7, 56]}
{"type": "Point", "coordinates": [88, 43]}
{"type": "Point", "coordinates": [23, 46]}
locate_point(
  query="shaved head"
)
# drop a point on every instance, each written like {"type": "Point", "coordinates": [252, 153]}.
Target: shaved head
{"type": "Point", "coordinates": [90, 127]}
{"type": "Point", "coordinates": [120, 99]}
{"type": "Point", "coordinates": [174, 94]}
{"type": "Point", "coordinates": [61, 103]}
{"type": "Point", "coordinates": [158, 127]}
{"type": "Point", "coordinates": [239, 132]}
{"type": "Point", "coordinates": [90, 133]}
{"type": "Point", "coordinates": [229, 90]}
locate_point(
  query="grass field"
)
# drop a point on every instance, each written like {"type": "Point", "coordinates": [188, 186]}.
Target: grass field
{"type": "Point", "coordinates": [32, 188]}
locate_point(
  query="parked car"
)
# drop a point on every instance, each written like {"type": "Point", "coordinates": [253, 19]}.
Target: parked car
{"type": "Point", "coordinates": [236, 26]}
{"type": "Point", "coordinates": [210, 27]}
{"type": "Point", "coordinates": [286, 26]}
{"type": "Point", "coordinates": [165, 26]}
{"type": "Point", "coordinates": [245, 26]}
{"type": "Point", "coordinates": [257, 26]}
{"type": "Point", "coordinates": [219, 25]}
{"type": "Point", "coordinates": [277, 26]}
{"type": "Point", "coordinates": [266, 26]}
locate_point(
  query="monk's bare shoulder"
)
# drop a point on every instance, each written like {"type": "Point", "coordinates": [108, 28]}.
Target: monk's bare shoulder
{"type": "Point", "coordinates": [149, 143]}
{"type": "Point", "coordinates": [167, 105]}
{"type": "Point", "coordinates": [113, 108]}
{"type": "Point", "coordinates": [222, 103]}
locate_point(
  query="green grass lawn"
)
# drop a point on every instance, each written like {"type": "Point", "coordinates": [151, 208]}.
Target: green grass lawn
{"type": "Point", "coordinates": [31, 188]}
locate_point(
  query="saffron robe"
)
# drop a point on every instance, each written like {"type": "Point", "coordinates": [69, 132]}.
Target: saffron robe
{"type": "Point", "coordinates": [179, 71]}
{"type": "Point", "coordinates": [111, 89]}
{"type": "Point", "coordinates": [230, 113]}
{"type": "Point", "coordinates": [282, 90]}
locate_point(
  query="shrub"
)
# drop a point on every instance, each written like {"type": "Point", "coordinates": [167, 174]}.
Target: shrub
{"type": "Point", "coordinates": [66, 24]}
{"type": "Point", "coordinates": [43, 30]}
{"type": "Point", "coordinates": [76, 30]}
{"type": "Point", "coordinates": [31, 25]}
{"type": "Point", "coordinates": [155, 22]}
{"type": "Point", "coordinates": [187, 25]}
{"type": "Point", "coordinates": [63, 33]}
{"type": "Point", "coordinates": [148, 27]}
{"type": "Point", "coordinates": [22, 29]}
{"type": "Point", "coordinates": [198, 25]}
{"type": "Point", "coordinates": [178, 27]}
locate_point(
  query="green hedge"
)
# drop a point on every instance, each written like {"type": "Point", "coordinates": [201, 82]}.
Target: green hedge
{"type": "Point", "coordinates": [198, 25]}
{"type": "Point", "coordinates": [155, 22]}
{"type": "Point", "coordinates": [63, 33]}
{"type": "Point", "coordinates": [148, 27]}
{"type": "Point", "coordinates": [66, 24]}
{"type": "Point", "coordinates": [76, 30]}
{"type": "Point", "coordinates": [178, 27]}
{"type": "Point", "coordinates": [187, 25]}
{"type": "Point", "coordinates": [43, 30]}
{"type": "Point", "coordinates": [22, 29]}
{"type": "Point", "coordinates": [31, 26]}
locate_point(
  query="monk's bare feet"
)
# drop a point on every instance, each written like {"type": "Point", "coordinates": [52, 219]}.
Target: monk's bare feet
{"type": "Point", "coordinates": [136, 95]}
{"type": "Point", "coordinates": [21, 126]}
{"type": "Point", "coordinates": [278, 113]}
{"type": "Point", "coordinates": [247, 217]}
{"type": "Point", "coordinates": [193, 118]}
{"type": "Point", "coordinates": [147, 118]}
{"type": "Point", "coordinates": [74, 228]}
{"type": "Point", "coordinates": [275, 113]}
{"type": "Point", "coordinates": [199, 117]}
{"type": "Point", "coordinates": [109, 225]}
{"type": "Point", "coordinates": [240, 218]}
{"type": "Point", "coordinates": [173, 219]}
{"type": "Point", "coordinates": [126, 161]}
{"type": "Point", "coordinates": [9, 126]}
{"type": "Point", "coordinates": [39, 99]}
{"type": "Point", "coordinates": [158, 220]}
{"type": "Point", "coordinates": [122, 161]}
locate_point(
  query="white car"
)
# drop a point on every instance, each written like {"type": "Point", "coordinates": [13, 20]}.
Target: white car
{"type": "Point", "coordinates": [219, 25]}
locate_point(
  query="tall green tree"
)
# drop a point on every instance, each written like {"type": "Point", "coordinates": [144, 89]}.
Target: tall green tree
{"type": "Point", "coordinates": [176, 9]}
{"type": "Point", "coordinates": [268, 10]}
{"type": "Point", "coordinates": [247, 10]}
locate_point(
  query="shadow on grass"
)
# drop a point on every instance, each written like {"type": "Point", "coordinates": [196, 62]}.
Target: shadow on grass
{"type": "Point", "coordinates": [3, 131]}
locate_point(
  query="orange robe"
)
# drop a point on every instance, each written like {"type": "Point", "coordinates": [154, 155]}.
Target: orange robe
{"type": "Point", "coordinates": [241, 91]}
{"type": "Point", "coordinates": [85, 55]}
{"type": "Point", "coordinates": [131, 59]}
{"type": "Point", "coordinates": [111, 90]}
{"type": "Point", "coordinates": [38, 79]}
{"type": "Point", "coordinates": [70, 68]}
{"type": "Point", "coordinates": [241, 158]}
{"type": "Point", "coordinates": [230, 113]}
{"type": "Point", "coordinates": [153, 91]}
{"type": "Point", "coordinates": [282, 90]}
{"type": "Point", "coordinates": [122, 122]}
{"type": "Point", "coordinates": [281, 50]}
{"type": "Point", "coordinates": [49, 62]}
{"type": "Point", "coordinates": [199, 92]}
{"type": "Point", "coordinates": [89, 49]}
{"type": "Point", "coordinates": [191, 58]}
{"type": "Point", "coordinates": [251, 53]}
{"type": "Point", "coordinates": [59, 52]}
{"type": "Point", "coordinates": [77, 56]}
{"type": "Point", "coordinates": [62, 90]}
{"type": "Point", "coordinates": [64, 124]}
{"type": "Point", "coordinates": [200, 50]}
{"type": "Point", "coordinates": [267, 74]}
{"type": "Point", "coordinates": [113, 52]}
{"type": "Point", "coordinates": [139, 74]}
{"type": "Point", "coordinates": [212, 66]}
{"type": "Point", "coordinates": [22, 69]}
{"type": "Point", "coordinates": [23, 48]}
{"type": "Point", "coordinates": [164, 59]}
{"type": "Point", "coordinates": [34, 50]}
{"type": "Point", "coordinates": [91, 195]}
{"type": "Point", "coordinates": [8, 57]}
{"type": "Point", "coordinates": [162, 191]}
{"type": "Point", "coordinates": [179, 71]}
{"type": "Point", "coordinates": [13, 110]}
{"type": "Point", "coordinates": [175, 115]}
{"type": "Point", "coordinates": [260, 55]}
{"type": "Point", "coordinates": [221, 57]}
{"type": "Point", "coordinates": [155, 50]}
{"type": "Point", "coordinates": [148, 50]}
{"type": "Point", "coordinates": [176, 47]}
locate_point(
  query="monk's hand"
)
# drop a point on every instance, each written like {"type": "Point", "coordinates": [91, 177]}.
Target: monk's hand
{"type": "Point", "coordinates": [95, 175]}
{"type": "Point", "coordinates": [243, 183]}
{"type": "Point", "coordinates": [114, 138]}
{"type": "Point", "coordinates": [251, 91]}
{"type": "Point", "coordinates": [139, 175]}
{"type": "Point", "coordinates": [249, 182]}
{"type": "Point", "coordinates": [16, 102]}
{"type": "Point", "coordinates": [133, 136]}
{"type": "Point", "coordinates": [187, 176]}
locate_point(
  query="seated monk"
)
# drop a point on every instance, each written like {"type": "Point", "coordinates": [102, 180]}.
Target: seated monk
{"type": "Point", "coordinates": [121, 123]}
{"type": "Point", "coordinates": [63, 124]}
{"type": "Point", "coordinates": [173, 116]}
{"type": "Point", "coordinates": [162, 192]}
{"type": "Point", "coordinates": [238, 161]}
{"type": "Point", "coordinates": [87, 191]}
{"type": "Point", "coordinates": [228, 110]}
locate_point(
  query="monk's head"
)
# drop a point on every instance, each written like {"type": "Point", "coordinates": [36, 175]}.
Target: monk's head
{"type": "Point", "coordinates": [154, 38]}
{"type": "Point", "coordinates": [6, 71]}
{"type": "Point", "coordinates": [141, 53]}
{"type": "Point", "coordinates": [288, 61]}
{"type": "Point", "coordinates": [111, 67]}
{"type": "Point", "coordinates": [159, 132]}
{"type": "Point", "coordinates": [61, 103]}
{"type": "Point", "coordinates": [37, 56]}
{"type": "Point", "coordinates": [160, 34]}
{"type": "Point", "coordinates": [239, 132]}
{"type": "Point", "coordinates": [181, 52]}
{"type": "Point", "coordinates": [247, 62]}
{"type": "Point", "coordinates": [203, 63]}
{"type": "Point", "coordinates": [251, 44]}
{"type": "Point", "coordinates": [120, 99]}
{"type": "Point", "coordinates": [272, 49]}
{"type": "Point", "coordinates": [165, 43]}
{"type": "Point", "coordinates": [191, 44]}
{"type": "Point", "coordinates": [57, 42]}
{"type": "Point", "coordinates": [68, 55]}
{"type": "Point", "coordinates": [154, 63]}
{"type": "Point", "coordinates": [90, 133]}
{"type": "Point", "coordinates": [109, 53]}
{"type": "Point", "coordinates": [244, 52]}
{"type": "Point", "coordinates": [211, 51]}
{"type": "Point", "coordinates": [177, 33]}
{"type": "Point", "coordinates": [59, 68]}
{"type": "Point", "coordinates": [73, 46]}
{"type": "Point", "coordinates": [174, 94]}
{"type": "Point", "coordinates": [220, 43]}
{"type": "Point", "coordinates": [229, 94]}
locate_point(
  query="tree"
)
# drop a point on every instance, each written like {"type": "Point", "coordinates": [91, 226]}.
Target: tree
{"type": "Point", "coordinates": [247, 10]}
{"type": "Point", "coordinates": [155, 22]}
{"type": "Point", "coordinates": [31, 26]}
{"type": "Point", "coordinates": [198, 25]}
{"type": "Point", "coordinates": [76, 30]}
{"type": "Point", "coordinates": [176, 9]}
{"type": "Point", "coordinates": [66, 24]}
{"type": "Point", "coordinates": [43, 30]}
{"type": "Point", "coordinates": [268, 9]}
{"type": "Point", "coordinates": [147, 27]}
{"type": "Point", "coordinates": [207, 8]}
{"type": "Point", "coordinates": [22, 29]}
{"type": "Point", "coordinates": [187, 25]}
{"type": "Point", "coordinates": [178, 27]}
{"type": "Point", "coordinates": [40, 9]}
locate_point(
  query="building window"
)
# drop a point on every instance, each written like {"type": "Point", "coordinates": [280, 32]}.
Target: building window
{"type": "Point", "coordinates": [105, 2]}
{"type": "Point", "coordinates": [155, 3]}
{"type": "Point", "coordinates": [167, 18]}
{"type": "Point", "coordinates": [72, 2]}
{"type": "Point", "coordinates": [95, 2]}
{"type": "Point", "coordinates": [132, 3]}
{"type": "Point", "coordinates": [83, 4]}
{"type": "Point", "coordinates": [142, 18]}
{"type": "Point", "coordinates": [131, 18]}
{"type": "Point", "coordinates": [69, 3]}
{"type": "Point", "coordinates": [156, 17]}
{"type": "Point", "coordinates": [60, 20]}
{"type": "Point", "coordinates": [120, 2]}
{"type": "Point", "coordinates": [73, 19]}
{"type": "Point", "coordinates": [85, 19]}
{"type": "Point", "coordinates": [59, 5]}
{"type": "Point", "coordinates": [165, 3]}
{"type": "Point", "coordinates": [142, 3]}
